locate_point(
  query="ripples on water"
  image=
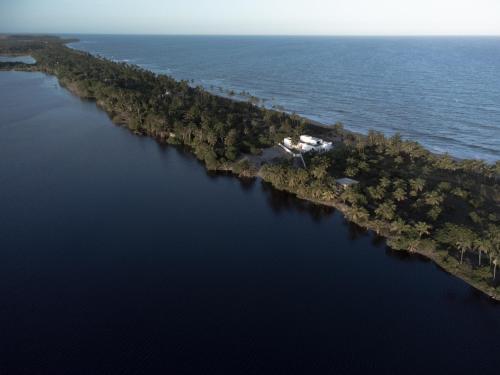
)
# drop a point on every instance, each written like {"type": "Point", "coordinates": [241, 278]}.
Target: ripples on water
{"type": "Point", "coordinates": [442, 92]}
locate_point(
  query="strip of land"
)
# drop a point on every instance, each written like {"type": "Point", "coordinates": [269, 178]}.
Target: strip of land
{"type": "Point", "coordinates": [445, 209]}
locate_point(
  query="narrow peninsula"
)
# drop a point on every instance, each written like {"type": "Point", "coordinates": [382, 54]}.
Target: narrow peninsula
{"type": "Point", "coordinates": [445, 209]}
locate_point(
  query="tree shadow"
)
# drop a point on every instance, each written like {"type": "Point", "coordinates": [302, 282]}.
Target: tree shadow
{"type": "Point", "coordinates": [282, 202]}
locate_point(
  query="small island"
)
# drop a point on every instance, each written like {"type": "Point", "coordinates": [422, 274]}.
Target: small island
{"type": "Point", "coordinates": [445, 209]}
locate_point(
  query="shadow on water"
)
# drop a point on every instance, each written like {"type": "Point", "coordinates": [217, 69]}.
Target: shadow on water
{"type": "Point", "coordinates": [278, 201]}
{"type": "Point", "coordinates": [405, 256]}
{"type": "Point", "coordinates": [473, 298]}
{"type": "Point", "coordinates": [246, 183]}
{"type": "Point", "coordinates": [281, 202]}
{"type": "Point", "coordinates": [355, 231]}
{"type": "Point", "coordinates": [378, 241]}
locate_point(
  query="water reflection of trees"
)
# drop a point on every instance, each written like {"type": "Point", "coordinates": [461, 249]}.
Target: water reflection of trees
{"type": "Point", "coordinates": [247, 184]}
{"type": "Point", "coordinates": [355, 231]}
{"type": "Point", "coordinates": [281, 202]}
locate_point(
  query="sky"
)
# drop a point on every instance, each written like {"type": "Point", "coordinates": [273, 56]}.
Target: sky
{"type": "Point", "coordinates": [253, 17]}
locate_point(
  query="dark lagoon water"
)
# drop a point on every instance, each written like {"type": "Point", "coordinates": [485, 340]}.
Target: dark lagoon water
{"type": "Point", "coordinates": [119, 255]}
{"type": "Point", "coordinates": [442, 92]}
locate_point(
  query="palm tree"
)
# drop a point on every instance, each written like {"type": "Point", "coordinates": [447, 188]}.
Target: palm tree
{"type": "Point", "coordinates": [384, 182]}
{"type": "Point", "coordinates": [377, 193]}
{"type": "Point", "coordinates": [298, 128]}
{"type": "Point", "coordinates": [417, 185]}
{"type": "Point", "coordinates": [360, 145]}
{"type": "Point", "coordinates": [386, 211]}
{"type": "Point", "coordinates": [358, 214]}
{"type": "Point", "coordinates": [399, 194]}
{"type": "Point", "coordinates": [363, 166]}
{"type": "Point", "coordinates": [351, 196]}
{"type": "Point", "coordinates": [327, 195]}
{"type": "Point", "coordinates": [493, 240]}
{"type": "Point", "coordinates": [377, 225]}
{"type": "Point", "coordinates": [351, 171]}
{"type": "Point", "coordinates": [422, 228]}
{"type": "Point", "coordinates": [463, 246]}
{"type": "Point", "coordinates": [446, 162]}
{"type": "Point", "coordinates": [371, 137]}
{"type": "Point", "coordinates": [464, 240]}
{"type": "Point", "coordinates": [413, 244]}
{"type": "Point", "coordinates": [338, 128]}
{"type": "Point", "coordinates": [433, 198]}
{"type": "Point", "coordinates": [434, 213]}
{"type": "Point", "coordinates": [399, 226]}
{"type": "Point", "coordinates": [319, 168]}
{"type": "Point", "coordinates": [395, 144]}
{"type": "Point", "coordinates": [459, 192]}
{"type": "Point", "coordinates": [398, 160]}
{"type": "Point", "coordinates": [211, 138]}
{"type": "Point", "coordinates": [482, 245]}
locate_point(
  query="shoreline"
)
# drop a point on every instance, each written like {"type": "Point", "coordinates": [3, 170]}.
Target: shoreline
{"type": "Point", "coordinates": [314, 127]}
{"type": "Point", "coordinates": [356, 120]}
{"type": "Point", "coordinates": [342, 208]}
{"type": "Point", "coordinates": [430, 255]}
{"type": "Point", "coordinates": [312, 124]}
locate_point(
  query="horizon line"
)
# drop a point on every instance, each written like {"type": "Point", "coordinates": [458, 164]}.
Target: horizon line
{"type": "Point", "coordinates": [253, 35]}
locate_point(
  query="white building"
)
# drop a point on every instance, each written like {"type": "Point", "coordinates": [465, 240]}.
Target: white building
{"type": "Point", "coordinates": [308, 143]}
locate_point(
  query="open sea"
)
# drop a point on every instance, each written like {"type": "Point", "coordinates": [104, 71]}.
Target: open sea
{"type": "Point", "coordinates": [441, 91]}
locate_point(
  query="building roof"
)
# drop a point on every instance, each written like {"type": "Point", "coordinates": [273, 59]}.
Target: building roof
{"type": "Point", "coordinates": [346, 181]}
{"type": "Point", "coordinates": [308, 143]}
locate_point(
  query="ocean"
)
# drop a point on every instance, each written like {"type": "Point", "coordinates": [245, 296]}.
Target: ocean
{"type": "Point", "coordinates": [443, 92]}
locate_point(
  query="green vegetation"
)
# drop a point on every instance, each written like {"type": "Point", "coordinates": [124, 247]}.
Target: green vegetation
{"type": "Point", "coordinates": [219, 130]}
{"type": "Point", "coordinates": [443, 208]}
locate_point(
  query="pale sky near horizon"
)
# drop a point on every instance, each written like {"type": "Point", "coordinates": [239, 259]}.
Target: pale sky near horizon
{"type": "Point", "coordinates": [255, 17]}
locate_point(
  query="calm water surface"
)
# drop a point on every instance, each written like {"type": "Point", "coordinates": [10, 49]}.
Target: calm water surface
{"type": "Point", "coordinates": [442, 92]}
{"type": "Point", "coordinates": [122, 256]}
{"type": "Point", "coordinates": [24, 59]}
